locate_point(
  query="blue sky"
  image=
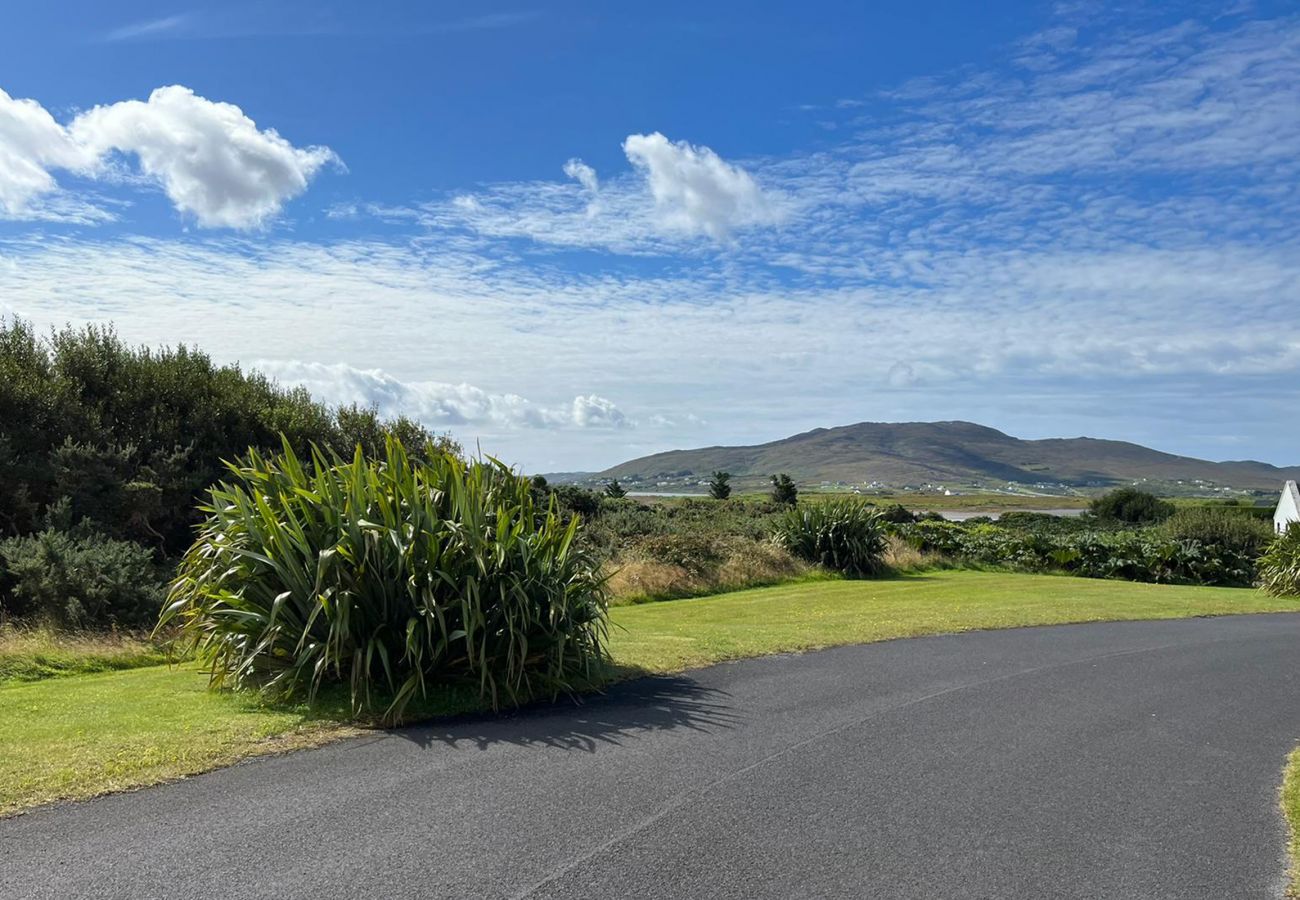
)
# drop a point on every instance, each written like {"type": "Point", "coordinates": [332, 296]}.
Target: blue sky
{"type": "Point", "coordinates": [575, 232]}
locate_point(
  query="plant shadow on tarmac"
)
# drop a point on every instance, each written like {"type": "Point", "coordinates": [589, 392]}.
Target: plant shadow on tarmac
{"type": "Point", "coordinates": [639, 702]}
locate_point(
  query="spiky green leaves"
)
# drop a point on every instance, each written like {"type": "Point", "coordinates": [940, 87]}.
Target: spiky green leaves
{"type": "Point", "coordinates": [389, 575]}
{"type": "Point", "coordinates": [844, 535]}
{"type": "Point", "coordinates": [1279, 567]}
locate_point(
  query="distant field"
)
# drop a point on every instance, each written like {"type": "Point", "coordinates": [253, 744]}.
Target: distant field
{"type": "Point", "coordinates": [920, 500]}
{"type": "Point", "coordinates": [80, 735]}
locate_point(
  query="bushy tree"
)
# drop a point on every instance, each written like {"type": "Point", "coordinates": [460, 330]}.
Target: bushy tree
{"type": "Point", "coordinates": [720, 485]}
{"type": "Point", "coordinates": [576, 499]}
{"type": "Point", "coordinates": [1132, 507]}
{"type": "Point", "coordinates": [784, 490]}
{"type": "Point", "coordinates": [132, 436]}
{"type": "Point", "coordinates": [615, 490]}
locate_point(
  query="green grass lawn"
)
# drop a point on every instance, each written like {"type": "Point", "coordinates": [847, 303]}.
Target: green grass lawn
{"type": "Point", "coordinates": [81, 735]}
{"type": "Point", "coordinates": [1291, 809]}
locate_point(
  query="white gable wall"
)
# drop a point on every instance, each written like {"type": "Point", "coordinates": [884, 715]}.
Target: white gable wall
{"type": "Point", "coordinates": [1288, 508]}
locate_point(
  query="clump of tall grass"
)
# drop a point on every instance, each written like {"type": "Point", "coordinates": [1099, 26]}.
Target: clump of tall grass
{"type": "Point", "coordinates": [1279, 567]}
{"type": "Point", "coordinates": [674, 567]}
{"type": "Point", "coordinates": [389, 575]}
{"type": "Point", "coordinates": [35, 653]}
{"type": "Point", "coordinates": [842, 535]}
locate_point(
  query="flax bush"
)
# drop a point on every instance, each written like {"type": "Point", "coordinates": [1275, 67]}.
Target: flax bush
{"type": "Point", "coordinates": [389, 575]}
{"type": "Point", "coordinates": [843, 535]}
{"type": "Point", "coordinates": [1279, 567]}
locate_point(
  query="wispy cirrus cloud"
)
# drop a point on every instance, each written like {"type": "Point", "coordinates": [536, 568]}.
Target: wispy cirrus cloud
{"type": "Point", "coordinates": [1176, 136]}
{"type": "Point", "coordinates": [235, 22]}
{"type": "Point", "coordinates": [150, 28]}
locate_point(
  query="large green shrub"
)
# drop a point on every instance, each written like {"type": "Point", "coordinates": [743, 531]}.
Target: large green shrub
{"type": "Point", "coordinates": [845, 535]}
{"type": "Point", "coordinates": [390, 575]}
{"type": "Point", "coordinates": [1131, 507]}
{"type": "Point", "coordinates": [1279, 567]}
{"type": "Point", "coordinates": [79, 580]}
{"type": "Point", "coordinates": [1224, 527]}
{"type": "Point", "coordinates": [133, 436]}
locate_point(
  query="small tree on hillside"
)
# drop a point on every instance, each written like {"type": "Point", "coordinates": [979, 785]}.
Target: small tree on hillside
{"type": "Point", "coordinates": [784, 490]}
{"type": "Point", "coordinates": [615, 490]}
{"type": "Point", "coordinates": [720, 485]}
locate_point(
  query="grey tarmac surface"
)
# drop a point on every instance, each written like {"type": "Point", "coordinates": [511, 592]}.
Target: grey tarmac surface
{"type": "Point", "coordinates": [1126, 760]}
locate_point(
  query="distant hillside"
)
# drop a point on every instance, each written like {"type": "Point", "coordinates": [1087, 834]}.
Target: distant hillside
{"type": "Point", "coordinates": [951, 453]}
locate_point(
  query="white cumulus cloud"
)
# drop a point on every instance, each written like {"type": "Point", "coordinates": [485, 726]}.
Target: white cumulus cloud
{"type": "Point", "coordinates": [212, 160]}
{"type": "Point", "coordinates": [694, 189]}
{"type": "Point", "coordinates": [436, 403]}
{"type": "Point", "coordinates": [31, 144]}
{"type": "Point", "coordinates": [597, 412]}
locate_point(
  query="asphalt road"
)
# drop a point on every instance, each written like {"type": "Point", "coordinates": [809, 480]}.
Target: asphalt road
{"type": "Point", "coordinates": [1103, 761]}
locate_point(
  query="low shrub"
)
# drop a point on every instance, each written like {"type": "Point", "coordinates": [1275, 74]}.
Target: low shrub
{"type": "Point", "coordinates": [842, 535]}
{"type": "Point", "coordinates": [576, 499]}
{"type": "Point", "coordinates": [387, 574]}
{"type": "Point", "coordinates": [896, 513]}
{"type": "Point", "coordinates": [1147, 555]}
{"type": "Point", "coordinates": [692, 551]}
{"type": "Point", "coordinates": [1279, 567]}
{"type": "Point", "coordinates": [79, 580]}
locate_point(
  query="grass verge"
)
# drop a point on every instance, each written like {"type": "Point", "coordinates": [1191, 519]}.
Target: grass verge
{"type": "Point", "coordinates": [80, 736]}
{"type": "Point", "coordinates": [32, 654]}
{"type": "Point", "coordinates": [1291, 810]}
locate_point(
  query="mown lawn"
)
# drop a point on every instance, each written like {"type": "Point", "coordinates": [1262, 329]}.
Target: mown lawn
{"type": "Point", "coordinates": [686, 633]}
{"type": "Point", "coordinates": [81, 735]}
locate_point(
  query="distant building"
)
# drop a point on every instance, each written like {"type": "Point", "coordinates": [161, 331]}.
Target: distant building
{"type": "Point", "coordinates": [1288, 507]}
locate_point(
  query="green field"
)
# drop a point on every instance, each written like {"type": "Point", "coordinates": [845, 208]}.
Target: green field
{"type": "Point", "coordinates": [922, 501]}
{"type": "Point", "coordinates": [80, 735]}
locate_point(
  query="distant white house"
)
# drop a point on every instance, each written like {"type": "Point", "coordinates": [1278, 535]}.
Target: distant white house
{"type": "Point", "coordinates": [1288, 507]}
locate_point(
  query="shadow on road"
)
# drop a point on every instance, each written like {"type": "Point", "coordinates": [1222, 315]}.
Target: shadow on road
{"type": "Point", "coordinates": [590, 722]}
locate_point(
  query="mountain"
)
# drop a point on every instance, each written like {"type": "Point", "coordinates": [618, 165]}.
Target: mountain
{"type": "Point", "coordinates": [948, 453]}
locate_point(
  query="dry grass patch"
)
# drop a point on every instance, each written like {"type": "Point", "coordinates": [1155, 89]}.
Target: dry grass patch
{"type": "Point", "coordinates": [730, 565]}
